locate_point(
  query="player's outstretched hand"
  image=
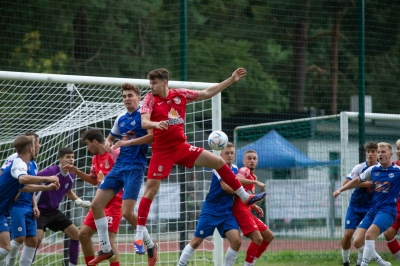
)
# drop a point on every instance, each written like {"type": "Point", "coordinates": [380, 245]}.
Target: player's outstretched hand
{"type": "Point", "coordinates": [121, 143]}
{"type": "Point", "coordinates": [336, 193]}
{"type": "Point", "coordinates": [52, 186]}
{"type": "Point", "coordinates": [238, 74]}
{"type": "Point", "coordinates": [70, 168]}
{"type": "Point", "coordinates": [83, 203]}
{"type": "Point", "coordinates": [261, 185]}
{"type": "Point", "coordinates": [36, 213]}
{"type": "Point", "coordinates": [107, 146]}
{"type": "Point", "coordinates": [258, 210]}
{"type": "Point", "coordinates": [52, 179]}
{"type": "Point", "coordinates": [162, 125]}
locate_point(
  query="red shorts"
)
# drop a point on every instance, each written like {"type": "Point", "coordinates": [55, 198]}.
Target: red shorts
{"type": "Point", "coordinates": [113, 214]}
{"type": "Point", "coordinates": [396, 224]}
{"type": "Point", "coordinates": [162, 161]}
{"type": "Point", "coordinates": [248, 222]}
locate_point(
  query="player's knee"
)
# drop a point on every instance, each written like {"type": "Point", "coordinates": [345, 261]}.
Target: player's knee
{"type": "Point", "coordinates": [236, 243]}
{"type": "Point", "coordinates": [31, 242]}
{"type": "Point", "coordinates": [348, 234]}
{"type": "Point", "coordinates": [269, 238]}
{"type": "Point", "coordinates": [388, 235]}
{"type": "Point", "coordinates": [83, 236]}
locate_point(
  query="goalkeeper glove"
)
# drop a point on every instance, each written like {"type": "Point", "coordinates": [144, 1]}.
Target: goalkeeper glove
{"type": "Point", "coordinates": [83, 203]}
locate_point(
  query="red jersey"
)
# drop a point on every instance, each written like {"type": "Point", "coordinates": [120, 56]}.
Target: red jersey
{"type": "Point", "coordinates": [171, 108]}
{"type": "Point", "coordinates": [398, 199]}
{"type": "Point", "coordinates": [246, 173]}
{"type": "Point", "coordinates": [102, 164]}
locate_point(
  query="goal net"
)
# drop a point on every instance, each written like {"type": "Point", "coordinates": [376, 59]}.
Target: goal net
{"type": "Point", "coordinates": [59, 108]}
{"type": "Point", "coordinates": [302, 162]}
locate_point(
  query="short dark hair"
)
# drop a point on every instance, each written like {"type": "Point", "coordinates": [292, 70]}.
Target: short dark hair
{"type": "Point", "coordinates": [371, 146]}
{"type": "Point", "coordinates": [130, 87]}
{"type": "Point", "coordinates": [92, 134]}
{"type": "Point", "coordinates": [63, 151]}
{"type": "Point", "coordinates": [23, 142]}
{"type": "Point", "coordinates": [160, 73]}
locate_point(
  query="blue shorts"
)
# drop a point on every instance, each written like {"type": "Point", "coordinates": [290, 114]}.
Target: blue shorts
{"type": "Point", "coordinates": [4, 223]}
{"type": "Point", "coordinates": [128, 177]}
{"type": "Point", "coordinates": [208, 222]}
{"type": "Point", "coordinates": [354, 216]}
{"type": "Point", "coordinates": [383, 219]}
{"type": "Point", "coordinates": [22, 222]}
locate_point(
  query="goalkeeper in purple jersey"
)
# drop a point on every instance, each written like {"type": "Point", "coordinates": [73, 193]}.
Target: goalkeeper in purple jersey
{"type": "Point", "coordinates": [216, 213]}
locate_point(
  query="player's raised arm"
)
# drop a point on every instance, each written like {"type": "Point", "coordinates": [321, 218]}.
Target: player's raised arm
{"type": "Point", "coordinates": [85, 177]}
{"type": "Point", "coordinates": [214, 90]}
{"type": "Point", "coordinates": [146, 139]}
{"type": "Point", "coordinates": [30, 179]}
{"type": "Point", "coordinates": [36, 188]}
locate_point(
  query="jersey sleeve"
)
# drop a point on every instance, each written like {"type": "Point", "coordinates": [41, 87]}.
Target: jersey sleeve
{"type": "Point", "coordinates": [190, 95]}
{"type": "Point", "coordinates": [243, 172]}
{"type": "Point", "coordinates": [8, 161]}
{"type": "Point", "coordinates": [115, 130]}
{"type": "Point", "coordinates": [114, 153]}
{"type": "Point", "coordinates": [45, 172]}
{"type": "Point", "coordinates": [355, 172]}
{"type": "Point", "coordinates": [217, 175]}
{"type": "Point", "coordinates": [366, 175]}
{"type": "Point", "coordinates": [93, 168]}
{"type": "Point", "coordinates": [147, 104]}
{"type": "Point", "coordinates": [19, 168]}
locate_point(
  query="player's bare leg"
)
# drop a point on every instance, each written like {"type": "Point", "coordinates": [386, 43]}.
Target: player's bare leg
{"type": "Point", "coordinates": [251, 253]}
{"type": "Point", "coordinates": [189, 249]}
{"type": "Point", "coordinates": [4, 244]}
{"type": "Point", "coordinates": [359, 243]}
{"type": "Point", "coordinates": [28, 252]}
{"type": "Point", "coordinates": [210, 160]}
{"type": "Point", "coordinates": [392, 243]}
{"type": "Point", "coordinates": [99, 202]}
{"type": "Point", "coordinates": [235, 242]}
{"type": "Point", "coordinates": [346, 244]}
{"type": "Point", "coordinates": [267, 236]}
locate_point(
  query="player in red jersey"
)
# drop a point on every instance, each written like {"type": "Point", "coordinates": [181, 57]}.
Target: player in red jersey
{"type": "Point", "coordinates": [390, 234]}
{"type": "Point", "coordinates": [102, 162]}
{"type": "Point", "coordinates": [251, 226]}
{"type": "Point", "coordinates": [164, 110]}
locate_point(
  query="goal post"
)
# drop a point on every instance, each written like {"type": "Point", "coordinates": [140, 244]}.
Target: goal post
{"type": "Point", "coordinates": [60, 107]}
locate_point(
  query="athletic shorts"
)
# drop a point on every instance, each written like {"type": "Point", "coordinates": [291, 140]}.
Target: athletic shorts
{"type": "Point", "coordinates": [22, 222]}
{"type": "Point", "coordinates": [4, 223]}
{"type": "Point", "coordinates": [125, 176]}
{"type": "Point", "coordinates": [396, 224]}
{"type": "Point", "coordinates": [162, 162]}
{"type": "Point", "coordinates": [248, 222]}
{"type": "Point", "coordinates": [382, 219]}
{"type": "Point", "coordinates": [354, 216]}
{"type": "Point", "coordinates": [55, 221]}
{"type": "Point", "coordinates": [208, 222]}
{"type": "Point", "coordinates": [113, 215]}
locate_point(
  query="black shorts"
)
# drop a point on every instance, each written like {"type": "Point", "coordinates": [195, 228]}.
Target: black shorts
{"type": "Point", "coordinates": [55, 221]}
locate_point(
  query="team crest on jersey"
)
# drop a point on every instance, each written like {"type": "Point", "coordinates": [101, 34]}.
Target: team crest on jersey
{"type": "Point", "coordinates": [122, 124]}
{"type": "Point", "coordinates": [160, 168]}
{"type": "Point", "coordinates": [391, 175]}
{"type": "Point", "coordinates": [106, 164]}
{"type": "Point", "coordinates": [177, 100]}
{"type": "Point", "coordinates": [66, 186]}
{"type": "Point", "coordinates": [174, 118]}
{"type": "Point", "coordinates": [133, 123]}
{"type": "Point", "coordinates": [377, 173]}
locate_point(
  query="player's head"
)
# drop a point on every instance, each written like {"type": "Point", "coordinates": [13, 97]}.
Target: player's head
{"type": "Point", "coordinates": [130, 96]}
{"type": "Point", "coordinates": [94, 140]}
{"type": "Point", "coordinates": [25, 144]}
{"type": "Point", "coordinates": [385, 153]}
{"type": "Point", "coordinates": [158, 80]}
{"type": "Point", "coordinates": [37, 141]}
{"type": "Point", "coordinates": [250, 159]}
{"type": "Point", "coordinates": [371, 152]}
{"type": "Point", "coordinates": [228, 153]}
{"type": "Point", "coordinates": [66, 156]}
{"type": "Point", "coordinates": [398, 149]}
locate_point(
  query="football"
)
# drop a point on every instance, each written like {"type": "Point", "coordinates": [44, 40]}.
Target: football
{"type": "Point", "coordinates": [217, 140]}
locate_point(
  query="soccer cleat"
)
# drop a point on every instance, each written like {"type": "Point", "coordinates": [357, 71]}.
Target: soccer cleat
{"type": "Point", "coordinates": [255, 198]}
{"type": "Point", "coordinates": [346, 263]}
{"type": "Point", "coordinates": [152, 254]}
{"type": "Point", "coordinates": [139, 247]}
{"type": "Point", "coordinates": [101, 256]}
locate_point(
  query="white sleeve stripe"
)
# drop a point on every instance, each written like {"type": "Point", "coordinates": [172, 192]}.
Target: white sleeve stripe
{"type": "Point", "coordinates": [216, 173]}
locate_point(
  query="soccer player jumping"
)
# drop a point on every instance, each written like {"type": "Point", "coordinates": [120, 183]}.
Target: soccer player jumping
{"type": "Point", "coordinates": [164, 110]}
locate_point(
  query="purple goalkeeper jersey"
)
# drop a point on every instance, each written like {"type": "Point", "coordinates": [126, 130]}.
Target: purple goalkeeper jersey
{"type": "Point", "coordinates": [49, 201]}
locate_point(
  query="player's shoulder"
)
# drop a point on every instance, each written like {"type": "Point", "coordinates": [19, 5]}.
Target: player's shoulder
{"type": "Point", "coordinates": [234, 166]}
{"type": "Point", "coordinates": [244, 170]}
{"type": "Point", "coordinates": [12, 157]}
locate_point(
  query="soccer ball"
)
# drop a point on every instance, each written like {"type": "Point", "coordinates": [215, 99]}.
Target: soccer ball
{"type": "Point", "coordinates": [217, 140]}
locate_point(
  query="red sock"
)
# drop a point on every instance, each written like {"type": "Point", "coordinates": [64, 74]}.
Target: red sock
{"type": "Point", "coordinates": [262, 248]}
{"type": "Point", "coordinates": [393, 245]}
{"type": "Point", "coordinates": [229, 177]}
{"type": "Point", "coordinates": [88, 258]}
{"type": "Point", "coordinates": [116, 263]}
{"type": "Point", "coordinates": [252, 252]}
{"type": "Point", "coordinates": [143, 211]}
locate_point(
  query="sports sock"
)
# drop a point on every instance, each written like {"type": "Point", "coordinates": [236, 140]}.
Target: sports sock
{"type": "Point", "coordinates": [230, 257]}
{"type": "Point", "coordinates": [27, 256]}
{"type": "Point", "coordinates": [88, 258]}
{"type": "Point", "coordinates": [116, 263]}
{"type": "Point", "coordinates": [12, 256]}
{"type": "Point", "coordinates": [73, 252]}
{"type": "Point", "coordinates": [251, 252]}
{"type": "Point", "coordinates": [3, 262]}
{"type": "Point", "coordinates": [143, 210]}
{"type": "Point", "coordinates": [360, 255]}
{"type": "Point", "coordinates": [3, 253]}
{"type": "Point", "coordinates": [397, 256]}
{"type": "Point", "coordinates": [187, 253]}
{"type": "Point", "coordinates": [393, 245]}
{"type": "Point", "coordinates": [146, 239]}
{"type": "Point", "coordinates": [346, 255]}
{"type": "Point", "coordinates": [229, 177]}
{"type": "Point", "coordinates": [261, 249]}
{"type": "Point", "coordinates": [102, 231]}
{"type": "Point", "coordinates": [368, 253]}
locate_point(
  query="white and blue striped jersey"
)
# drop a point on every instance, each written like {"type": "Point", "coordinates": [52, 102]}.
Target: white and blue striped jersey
{"type": "Point", "coordinates": [361, 197]}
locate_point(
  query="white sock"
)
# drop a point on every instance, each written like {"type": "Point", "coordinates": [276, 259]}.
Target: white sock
{"type": "Point", "coordinates": [12, 256]}
{"type": "Point", "coordinates": [360, 255]}
{"type": "Point", "coordinates": [368, 253]}
{"type": "Point", "coordinates": [3, 253]}
{"type": "Point", "coordinates": [397, 256]}
{"type": "Point", "coordinates": [254, 262]}
{"type": "Point", "coordinates": [139, 232]}
{"type": "Point", "coordinates": [187, 253]}
{"type": "Point", "coordinates": [27, 256]}
{"type": "Point", "coordinates": [247, 263]}
{"type": "Point", "coordinates": [230, 257]}
{"type": "Point", "coordinates": [70, 264]}
{"type": "Point", "coordinates": [346, 255]}
{"type": "Point", "coordinates": [243, 195]}
{"type": "Point", "coordinates": [102, 231]}
{"type": "Point", "coordinates": [3, 262]}
{"type": "Point", "coordinates": [146, 239]}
